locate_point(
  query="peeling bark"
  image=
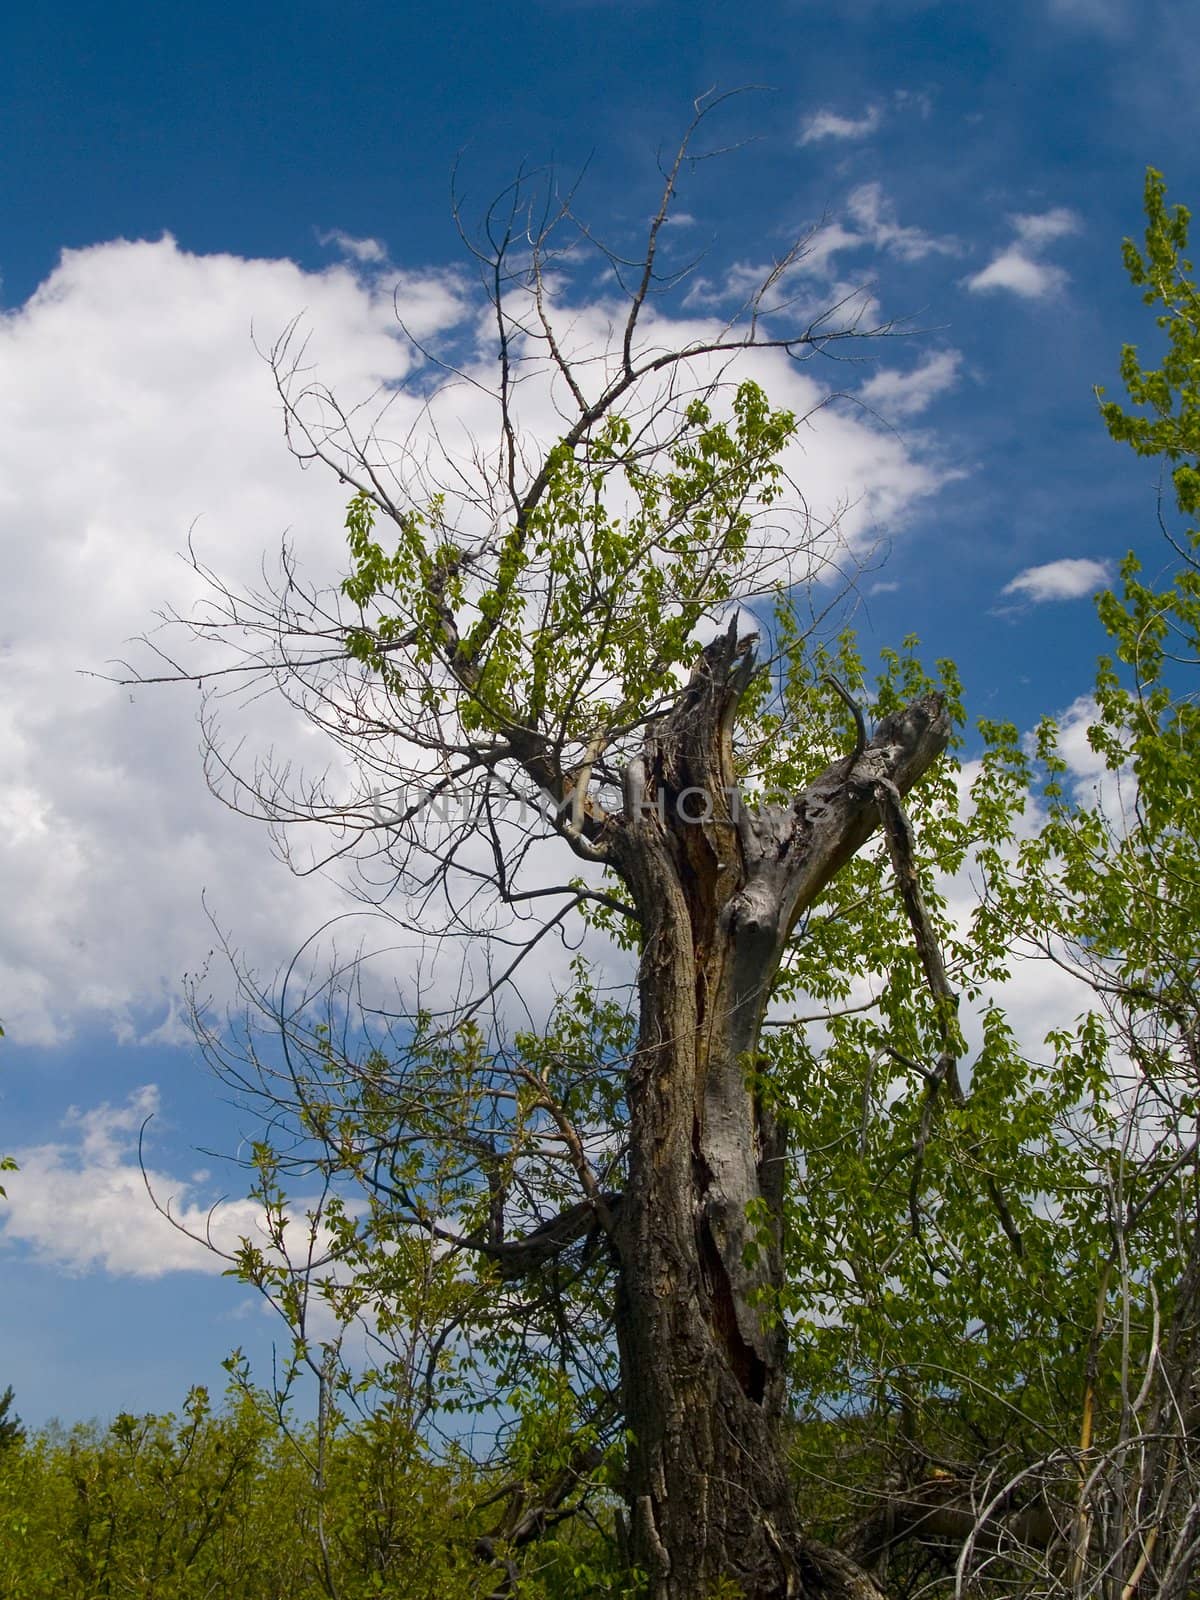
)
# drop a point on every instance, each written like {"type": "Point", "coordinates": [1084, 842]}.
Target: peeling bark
{"type": "Point", "coordinates": [718, 888]}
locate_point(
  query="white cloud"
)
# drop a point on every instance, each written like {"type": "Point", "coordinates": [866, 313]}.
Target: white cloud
{"type": "Point", "coordinates": [896, 393]}
{"type": "Point", "coordinates": [1013, 270]}
{"type": "Point", "coordinates": [875, 213]}
{"type": "Point", "coordinates": [826, 124]}
{"type": "Point", "coordinates": [368, 252]}
{"type": "Point", "coordinates": [1018, 268]}
{"type": "Point", "coordinates": [742, 280]}
{"type": "Point", "coordinates": [738, 284]}
{"type": "Point", "coordinates": [82, 1202]}
{"type": "Point", "coordinates": [1039, 228]}
{"type": "Point", "coordinates": [1071, 578]}
{"type": "Point", "coordinates": [136, 409]}
{"type": "Point", "coordinates": [875, 226]}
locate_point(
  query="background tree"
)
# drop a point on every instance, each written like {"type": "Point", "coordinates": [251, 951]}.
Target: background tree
{"type": "Point", "coordinates": [1012, 1368]}
{"type": "Point", "coordinates": [1111, 890]}
{"type": "Point", "coordinates": [218, 1502]}
{"type": "Point", "coordinates": [11, 1431]}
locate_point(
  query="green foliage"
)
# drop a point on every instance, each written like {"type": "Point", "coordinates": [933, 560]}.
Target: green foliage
{"type": "Point", "coordinates": [1115, 877]}
{"type": "Point", "coordinates": [1167, 424]}
{"type": "Point", "coordinates": [972, 1278]}
{"type": "Point", "coordinates": [148, 1506]}
{"type": "Point", "coordinates": [924, 1226]}
{"type": "Point", "coordinates": [581, 613]}
{"type": "Point", "coordinates": [180, 1508]}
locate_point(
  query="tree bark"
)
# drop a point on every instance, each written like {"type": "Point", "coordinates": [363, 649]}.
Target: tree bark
{"type": "Point", "coordinates": [718, 887]}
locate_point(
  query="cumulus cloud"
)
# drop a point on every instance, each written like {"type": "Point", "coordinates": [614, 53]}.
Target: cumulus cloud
{"type": "Point", "coordinates": [137, 414]}
{"type": "Point", "coordinates": [897, 393]}
{"type": "Point", "coordinates": [81, 1202]}
{"type": "Point", "coordinates": [1018, 268]}
{"type": "Point", "coordinates": [138, 411]}
{"type": "Point", "coordinates": [1071, 578]}
{"type": "Point", "coordinates": [826, 124]}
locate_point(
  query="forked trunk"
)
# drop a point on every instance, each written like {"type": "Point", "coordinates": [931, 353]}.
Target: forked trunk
{"type": "Point", "coordinates": [719, 887]}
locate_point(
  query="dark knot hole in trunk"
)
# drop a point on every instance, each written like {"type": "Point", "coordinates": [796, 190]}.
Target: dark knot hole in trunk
{"type": "Point", "coordinates": [748, 1368]}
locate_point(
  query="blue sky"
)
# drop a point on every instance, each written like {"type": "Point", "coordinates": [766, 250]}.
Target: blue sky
{"type": "Point", "coordinates": [982, 165]}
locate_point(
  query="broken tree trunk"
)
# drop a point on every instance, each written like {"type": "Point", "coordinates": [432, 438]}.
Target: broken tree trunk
{"type": "Point", "coordinates": [718, 888]}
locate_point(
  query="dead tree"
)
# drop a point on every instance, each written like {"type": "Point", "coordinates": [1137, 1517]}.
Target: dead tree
{"type": "Point", "coordinates": [531, 630]}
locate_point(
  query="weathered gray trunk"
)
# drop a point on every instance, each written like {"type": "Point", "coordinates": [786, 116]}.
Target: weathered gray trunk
{"type": "Point", "coordinates": [718, 888]}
